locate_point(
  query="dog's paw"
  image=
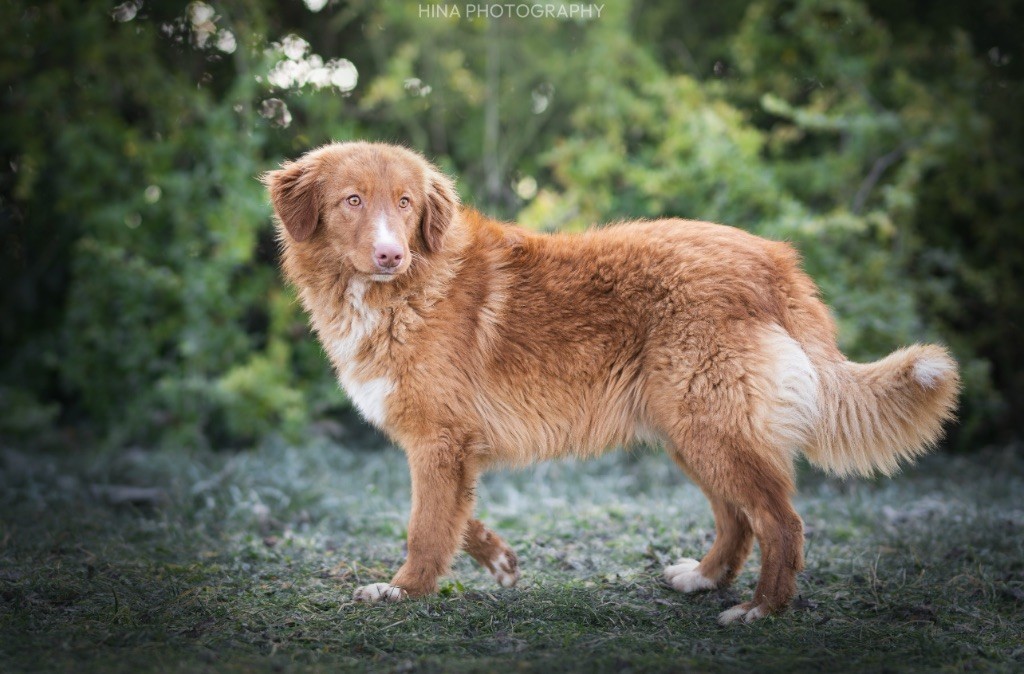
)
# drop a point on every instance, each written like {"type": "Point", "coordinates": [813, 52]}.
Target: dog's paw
{"type": "Point", "coordinates": [746, 612]}
{"type": "Point", "coordinates": [683, 576]}
{"type": "Point", "coordinates": [505, 568]}
{"type": "Point", "coordinates": [378, 592]}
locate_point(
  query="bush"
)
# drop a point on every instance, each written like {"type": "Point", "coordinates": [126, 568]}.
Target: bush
{"type": "Point", "coordinates": [141, 303]}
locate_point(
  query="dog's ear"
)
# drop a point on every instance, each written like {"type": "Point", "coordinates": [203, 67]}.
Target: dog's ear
{"type": "Point", "coordinates": [296, 197]}
{"type": "Point", "coordinates": [442, 202]}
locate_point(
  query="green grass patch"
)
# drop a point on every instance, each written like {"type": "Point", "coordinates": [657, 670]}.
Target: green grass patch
{"type": "Point", "coordinates": [199, 561]}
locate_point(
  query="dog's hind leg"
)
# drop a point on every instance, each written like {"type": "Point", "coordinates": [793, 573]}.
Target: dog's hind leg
{"type": "Point", "coordinates": [740, 479]}
{"type": "Point", "coordinates": [492, 553]}
{"type": "Point", "coordinates": [733, 540]}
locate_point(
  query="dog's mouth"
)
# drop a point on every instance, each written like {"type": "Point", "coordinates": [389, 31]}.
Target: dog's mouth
{"type": "Point", "coordinates": [384, 276]}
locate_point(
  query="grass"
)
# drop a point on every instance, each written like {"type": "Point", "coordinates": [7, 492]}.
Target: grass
{"type": "Point", "coordinates": [246, 562]}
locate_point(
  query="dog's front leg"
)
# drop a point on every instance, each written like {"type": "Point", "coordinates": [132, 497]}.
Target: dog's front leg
{"type": "Point", "coordinates": [443, 476]}
{"type": "Point", "coordinates": [491, 552]}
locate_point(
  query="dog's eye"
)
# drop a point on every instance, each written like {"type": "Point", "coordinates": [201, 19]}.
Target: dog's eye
{"type": "Point", "coordinates": [403, 202]}
{"type": "Point", "coordinates": [354, 200]}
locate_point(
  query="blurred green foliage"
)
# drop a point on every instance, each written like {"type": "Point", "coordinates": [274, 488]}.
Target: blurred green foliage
{"type": "Point", "coordinates": [140, 299]}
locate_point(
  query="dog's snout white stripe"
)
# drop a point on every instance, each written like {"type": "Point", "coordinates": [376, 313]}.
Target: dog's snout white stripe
{"type": "Point", "coordinates": [382, 233]}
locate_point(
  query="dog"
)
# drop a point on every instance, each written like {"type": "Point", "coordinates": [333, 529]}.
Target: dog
{"type": "Point", "coordinates": [474, 343]}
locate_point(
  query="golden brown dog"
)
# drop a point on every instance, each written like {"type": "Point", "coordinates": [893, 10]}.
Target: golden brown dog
{"type": "Point", "coordinates": [474, 343]}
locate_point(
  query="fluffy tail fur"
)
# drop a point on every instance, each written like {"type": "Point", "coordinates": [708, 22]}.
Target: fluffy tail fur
{"type": "Point", "coordinates": [873, 416]}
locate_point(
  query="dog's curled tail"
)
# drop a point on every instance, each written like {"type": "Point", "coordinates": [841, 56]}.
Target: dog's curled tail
{"type": "Point", "coordinates": [873, 416]}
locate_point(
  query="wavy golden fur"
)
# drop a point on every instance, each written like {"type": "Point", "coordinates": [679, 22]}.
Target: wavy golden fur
{"type": "Point", "coordinates": [473, 343]}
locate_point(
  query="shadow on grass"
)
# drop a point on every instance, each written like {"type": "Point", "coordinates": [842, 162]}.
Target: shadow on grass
{"type": "Point", "coordinates": [246, 562]}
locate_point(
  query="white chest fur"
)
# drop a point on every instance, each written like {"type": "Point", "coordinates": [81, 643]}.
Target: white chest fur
{"type": "Point", "coordinates": [368, 394]}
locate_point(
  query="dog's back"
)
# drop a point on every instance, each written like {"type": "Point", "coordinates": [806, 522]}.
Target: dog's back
{"type": "Point", "coordinates": [579, 343]}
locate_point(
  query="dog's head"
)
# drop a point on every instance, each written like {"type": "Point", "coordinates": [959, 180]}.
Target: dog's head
{"type": "Point", "coordinates": [372, 204]}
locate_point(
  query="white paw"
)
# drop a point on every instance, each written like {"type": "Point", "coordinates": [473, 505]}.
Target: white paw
{"type": "Point", "coordinates": [377, 592]}
{"type": "Point", "coordinates": [740, 612]}
{"type": "Point", "coordinates": [505, 570]}
{"type": "Point", "coordinates": [683, 576]}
